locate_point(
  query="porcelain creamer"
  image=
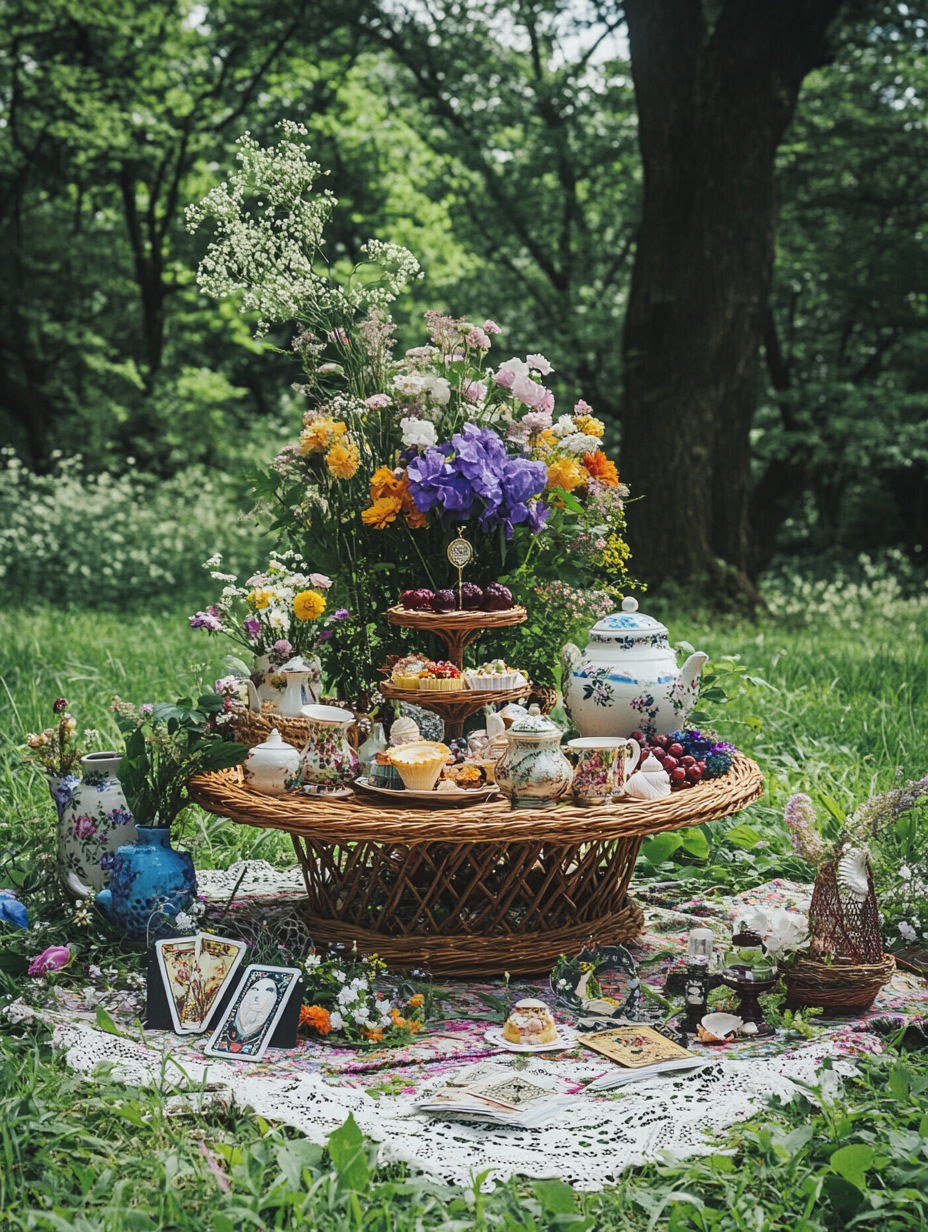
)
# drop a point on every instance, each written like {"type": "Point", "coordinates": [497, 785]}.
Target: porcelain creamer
{"type": "Point", "coordinates": [627, 679]}
{"type": "Point", "coordinates": [272, 767]}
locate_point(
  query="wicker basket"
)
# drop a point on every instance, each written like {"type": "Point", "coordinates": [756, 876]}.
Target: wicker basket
{"type": "Point", "coordinates": [839, 989]}
{"type": "Point", "coordinates": [474, 890]}
{"type": "Point", "coordinates": [252, 729]}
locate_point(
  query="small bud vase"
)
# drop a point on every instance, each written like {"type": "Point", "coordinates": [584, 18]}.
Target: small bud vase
{"type": "Point", "coordinates": [149, 883]}
{"type": "Point", "coordinates": [93, 822]}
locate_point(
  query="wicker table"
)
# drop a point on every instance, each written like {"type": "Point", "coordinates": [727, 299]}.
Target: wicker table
{"type": "Point", "coordinates": [475, 890]}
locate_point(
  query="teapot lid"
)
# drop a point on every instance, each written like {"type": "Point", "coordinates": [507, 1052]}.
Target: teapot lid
{"type": "Point", "coordinates": [274, 741]}
{"type": "Point", "coordinates": [629, 619]}
{"type": "Point", "coordinates": [534, 724]}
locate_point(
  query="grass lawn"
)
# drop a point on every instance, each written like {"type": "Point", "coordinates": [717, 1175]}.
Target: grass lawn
{"type": "Point", "coordinates": [846, 707]}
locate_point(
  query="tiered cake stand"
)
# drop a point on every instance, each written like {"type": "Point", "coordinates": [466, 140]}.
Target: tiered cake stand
{"type": "Point", "coordinates": [457, 630]}
{"type": "Point", "coordinates": [476, 890]}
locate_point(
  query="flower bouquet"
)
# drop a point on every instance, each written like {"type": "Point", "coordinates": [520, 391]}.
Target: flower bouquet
{"type": "Point", "coordinates": [341, 1001]}
{"type": "Point", "coordinates": [396, 456]}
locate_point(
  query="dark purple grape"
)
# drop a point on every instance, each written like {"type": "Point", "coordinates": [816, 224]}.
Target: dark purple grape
{"type": "Point", "coordinates": [471, 597]}
{"type": "Point", "coordinates": [497, 598]}
{"type": "Point", "coordinates": [444, 601]}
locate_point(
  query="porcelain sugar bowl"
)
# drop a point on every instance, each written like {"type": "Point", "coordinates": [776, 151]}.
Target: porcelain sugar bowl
{"type": "Point", "coordinates": [627, 679]}
{"type": "Point", "coordinates": [272, 767]}
{"type": "Point", "coordinates": [533, 772]}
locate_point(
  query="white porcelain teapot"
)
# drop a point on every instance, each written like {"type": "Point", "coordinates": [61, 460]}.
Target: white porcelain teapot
{"type": "Point", "coordinates": [627, 679]}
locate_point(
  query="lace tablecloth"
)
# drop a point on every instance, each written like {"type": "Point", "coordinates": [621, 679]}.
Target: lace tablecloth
{"type": "Point", "coordinates": [314, 1086]}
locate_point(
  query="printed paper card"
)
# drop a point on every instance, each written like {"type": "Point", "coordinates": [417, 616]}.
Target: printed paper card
{"type": "Point", "coordinates": [635, 1046]}
{"type": "Point", "coordinates": [256, 1008]}
{"type": "Point", "coordinates": [196, 972]}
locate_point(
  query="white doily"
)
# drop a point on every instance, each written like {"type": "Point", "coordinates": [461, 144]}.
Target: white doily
{"type": "Point", "coordinates": [588, 1145]}
{"type": "Point", "coordinates": [260, 881]}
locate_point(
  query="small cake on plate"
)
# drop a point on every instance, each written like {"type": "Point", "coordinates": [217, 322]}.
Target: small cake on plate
{"type": "Point", "coordinates": [468, 775]}
{"type": "Point", "coordinates": [385, 774]}
{"type": "Point", "coordinates": [420, 764]}
{"type": "Point", "coordinates": [405, 674]}
{"type": "Point", "coordinates": [530, 1023]}
{"type": "Point", "coordinates": [494, 675]}
{"type": "Point", "coordinates": [441, 677]}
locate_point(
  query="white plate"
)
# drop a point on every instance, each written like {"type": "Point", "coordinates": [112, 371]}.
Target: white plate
{"type": "Point", "coordinates": [340, 793]}
{"type": "Point", "coordinates": [434, 797]}
{"type": "Point", "coordinates": [566, 1038]}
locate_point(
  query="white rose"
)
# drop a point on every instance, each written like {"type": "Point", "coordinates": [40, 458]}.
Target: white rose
{"type": "Point", "coordinates": [786, 931]}
{"type": "Point", "coordinates": [564, 426]}
{"type": "Point", "coordinates": [518, 367]}
{"type": "Point", "coordinates": [418, 433]}
{"type": "Point", "coordinates": [439, 388]}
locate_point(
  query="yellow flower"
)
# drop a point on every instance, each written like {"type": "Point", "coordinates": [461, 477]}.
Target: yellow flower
{"type": "Point", "coordinates": [615, 554]}
{"type": "Point", "coordinates": [589, 425]}
{"type": "Point", "coordinates": [343, 459]}
{"type": "Point", "coordinates": [382, 512]}
{"type": "Point", "coordinates": [384, 483]}
{"type": "Point", "coordinates": [308, 605]}
{"type": "Point", "coordinates": [565, 473]}
{"type": "Point", "coordinates": [259, 599]}
{"type": "Point", "coordinates": [318, 434]}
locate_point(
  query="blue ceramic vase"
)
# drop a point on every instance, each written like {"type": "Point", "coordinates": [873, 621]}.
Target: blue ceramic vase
{"type": "Point", "coordinates": [149, 883]}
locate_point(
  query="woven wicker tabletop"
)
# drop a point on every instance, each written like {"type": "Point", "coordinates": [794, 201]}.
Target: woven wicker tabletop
{"type": "Point", "coordinates": [474, 890]}
{"type": "Point", "coordinates": [360, 820]}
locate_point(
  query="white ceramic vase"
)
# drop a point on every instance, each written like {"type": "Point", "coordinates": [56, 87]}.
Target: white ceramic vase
{"type": "Point", "coordinates": [94, 822]}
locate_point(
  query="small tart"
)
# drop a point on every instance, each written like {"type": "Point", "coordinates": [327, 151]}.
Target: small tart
{"type": "Point", "coordinates": [531, 1023]}
{"type": "Point", "coordinates": [467, 775]}
{"type": "Point", "coordinates": [420, 764]}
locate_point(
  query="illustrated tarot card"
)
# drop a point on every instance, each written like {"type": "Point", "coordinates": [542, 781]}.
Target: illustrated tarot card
{"type": "Point", "coordinates": [257, 1005]}
{"type": "Point", "coordinates": [635, 1046]}
{"type": "Point", "coordinates": [196, 972]}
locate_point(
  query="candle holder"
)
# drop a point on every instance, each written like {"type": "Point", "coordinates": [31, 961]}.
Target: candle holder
{"type": "Point", "coordinates": [696, 994]}
{"type": "Point", "coordinates": [750, 983]}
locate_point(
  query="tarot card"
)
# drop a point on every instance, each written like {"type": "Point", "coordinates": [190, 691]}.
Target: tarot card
{"type": "Point", "coordinates": [196, 972]}
{"type": "Point", "coordinates": [635, 1046]}
{"type": "Point", "coordinates": [257, 1005]}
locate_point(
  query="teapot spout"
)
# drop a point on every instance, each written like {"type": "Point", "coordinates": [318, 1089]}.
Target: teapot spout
{"type": "Point", "coordinates": [254, 702]}
{"type": "Point", "coordinates": [693, 666]}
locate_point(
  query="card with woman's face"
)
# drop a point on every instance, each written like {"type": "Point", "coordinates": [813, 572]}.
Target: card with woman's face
{"type": "Point", "coordinates": [196, 972]}
{"type": "Point", "coordinates": [253, 1013]}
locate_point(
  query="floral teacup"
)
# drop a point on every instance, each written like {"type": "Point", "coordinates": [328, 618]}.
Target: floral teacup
{"type": "Point", "coordinates": [603, 764]}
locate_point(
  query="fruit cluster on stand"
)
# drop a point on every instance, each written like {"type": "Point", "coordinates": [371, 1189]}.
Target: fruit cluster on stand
{"type": "Point", "coordinates": [473, 598]}
{"type": "Point", "coordinates": [688, 757]}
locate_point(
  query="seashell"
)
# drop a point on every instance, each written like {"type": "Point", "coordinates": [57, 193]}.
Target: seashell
{"type": "Point", "coordinates": [651, 766]}
{"type": "Point", "coordinates": [529, 1003]}
{"type": "Point", "coordinates": [851, 874]}
{"type": "Point", "coordinates": [646, 785]}
{"type": "Point", "coordinates": [718, 1027]}
{"type": "Point", "coordinates": [749, 1028]}
{"type": "Point", "coordinates": [404, 730]}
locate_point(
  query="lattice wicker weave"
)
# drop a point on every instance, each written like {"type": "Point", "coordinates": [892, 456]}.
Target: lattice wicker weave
{"type": "Point", "coordinates": [476, 890]}
{"type": "Point", "coordinates": [252, 729]}
{"type": "Point", "coordinates": [837, 989]}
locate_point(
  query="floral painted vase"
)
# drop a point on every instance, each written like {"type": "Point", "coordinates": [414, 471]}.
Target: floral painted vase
{"type": "Point", "coordinates": [271, 683]}
{"type": "Point", "coordinates": [61, 788]}
{"type": "Point", "coordinates": [329, 762]}
{"type": "Point", "coordinates": [149, 883]}
{"type": "Point", "coordinates": [533, 772]}
{"type": "Point", "coordinates": [93, 822]}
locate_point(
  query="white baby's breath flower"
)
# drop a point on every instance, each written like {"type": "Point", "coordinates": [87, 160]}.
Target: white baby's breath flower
{"type": "Point", "coordinates": [336, 1020]}
{"type": "Point", "coordinates": [580, 442]}
{"type": "Point", "coordinates": [907, 931]}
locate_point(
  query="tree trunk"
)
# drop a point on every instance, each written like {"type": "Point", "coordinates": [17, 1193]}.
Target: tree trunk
{"type": "Point", "coordinates": [712, 109]}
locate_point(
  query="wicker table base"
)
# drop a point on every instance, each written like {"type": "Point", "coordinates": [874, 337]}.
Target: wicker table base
{"type": "Point", "coordinates": [476, 890]}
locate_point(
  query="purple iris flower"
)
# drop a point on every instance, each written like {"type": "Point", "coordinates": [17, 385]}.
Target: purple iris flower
{"type": "Point", "coordinates": [252, 627]}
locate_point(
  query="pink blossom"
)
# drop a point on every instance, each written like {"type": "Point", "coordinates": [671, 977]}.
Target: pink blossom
{"type": "Point", "coordinates": [146, 708]}
{"type": "Point", "coordinates": [376, 401]}
{"type": "Point", "coordinates": [84, 827]}
{"type": "Point", "coordinates": [475, 391]}
{"type": "Point", "coordinates": [547, 403]}
{"type": "Point", "coordinates": [52, 959]}
{"type": "Point", "coordinates": [478, 338]}
{"type": "Point", "coordinates": [282, 646]}
{"type": "Point", "coordinates": [528, 391]}
{"type": "Point", "coordinates": [508, 372]}
{"type": "Point", "coordinates": [538, 421]}
{"type": "Point", "coordinates": [491, 327]}
{"type": "Point", "coordinates": [582, 408]}
{"type": "Point", "coordinates": [319, 579]}
{"type": "Point", "coordinates": [539, 363]}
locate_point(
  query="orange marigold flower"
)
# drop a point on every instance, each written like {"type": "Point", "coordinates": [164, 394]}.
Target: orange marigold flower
{"type": "Point", "coordinates": [384, 483]}
{"type": "Point", "coordinates": [417, 999]}
{"type": "Point", "coordinates": [374, 1033]}
{"type": "Point", "coordinates": [343, 459]}
{"type": "Point", "coordinates": [414, 1026]}
{"type": "Point", "coordinates": [601, 468]}
{"type": "Point", "coordinates": [382, 512]}
{"type": "Point", "coordinates": [316, 1017]}
{"type": "Point", "coordinates": [565, 473]}
{"type": "Point", "coordinates": [399, 1022]}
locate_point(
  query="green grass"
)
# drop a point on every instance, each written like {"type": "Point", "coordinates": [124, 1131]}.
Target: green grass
{"type": "Point", "coordinates": [845, 709]}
